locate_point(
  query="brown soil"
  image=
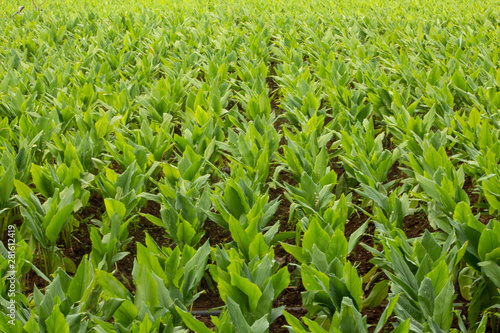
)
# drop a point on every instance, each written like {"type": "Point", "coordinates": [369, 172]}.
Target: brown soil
{"type": "Point", "coordinates": [33, 279]}
{"type": "Point", "coordinates": [463, 308]}
{"type": "Point", "coordinates": [208, 301]}
{"type": "Point", "coordinates": [469, 188]}
{"type": "Point", "coordinates": [415, 225]}
{"type": "Point", "coordinates": [476, 201]}
{"type": "Point", "coordinates": [485, 218]}
{"type": "Point", "coordinates": [283, 211]}
{"type": "Point", "coordinates": [138, 232]}
{"type": "Point", "coordinates": [115, 167]}
{"type": "Point", "coordinates": [359, 255]}
{"type": "Point", "coordinates": [81, 244]}
{"type": "Point", "coordinates": [274, 91]}
{"type": "Point", "coordinates": [272, 85]}
{"type": "Point", "coordinates": [361, 258]}
{"type": "Point", "coordinates": [94, 209]}
{"type": "Point", "coordinates": [336, 165]}
{"type": "Point", "coordinates": [279, 124]}
{"type": "Point", "coordinates": [396, 174]}
{"type": "Point", "coordinates": [215, 234]}
{"type": "Point", "coordinates": [17, 222]}
{"type": "Point", "coordinates": [373, 315]}
{"type": "Point", "coordinates": [291, 298]}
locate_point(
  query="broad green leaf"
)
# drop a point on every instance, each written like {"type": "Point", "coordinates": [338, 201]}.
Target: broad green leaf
{"type": "Point", "coordinates": [114, 206]}
{"type": "Point", "coordinates": [439, 276]}
{"type": "Point", "coordinates": [492, 271]}
{"type": "Point", "coordinates": [146, 291]}
{"type": "Point", "coordinates": [258, 247]}
{"type": "Point", "coordinates": [56, 323]}
{"type": "Point", "coordinates": [315, 235]}
{"type": "Point", "coordinates": [112, 288]}
{"type": "Point", "coordinates": [6, 185]}
{"type": "Point", "coordinates": [403, 327]}
{"type": "Point", "coordinates": [22, 189]}
{"type": "Point", "coordinates": [280, 281]}
{"type": "Point", "coordinates": [58, 222]}
{"type": "Point", "coordinates": [237, 316]}
{"type": "Point", "coordinates": [377, 295]}
{"type": "Point", "coordinates": [295, 251]}
{"type": "Point", "coordinates": [185, 232]}
{"type": "Point", "coordinates": [487, 242]}
{"type": "Point", "coordinates": [249, 288]}
{"type": "Point", "coordinates": [192, 323]}
{"type": "Point", "coordinates": [443, 306]}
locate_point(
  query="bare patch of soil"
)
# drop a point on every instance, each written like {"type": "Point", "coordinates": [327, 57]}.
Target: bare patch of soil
{"type": "Point", "coordinates": [415, 225]}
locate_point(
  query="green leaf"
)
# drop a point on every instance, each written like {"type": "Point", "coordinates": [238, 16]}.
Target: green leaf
{"type": "Point", "coordinates": [191, 172]}
{"type": "Point", "coordinates": [101, 127]}
{"type": "Point", "coordinates": [315, 235]}
{"type": "Point", "coordinates": [429, 187]}
{"type": "Point", "coordinates": [426, 296]}
{"type": "Point", "coordinates": [258, 247]}
{"type": "Point", "coordinates": [192, 323]}
{"type": "Point", "coordinates": [439, 276]}
{"type": "Point", "coordinates": [377, 295]}
{"type": "Point", "coordinates": [110, 306]}
{"type": "Point", "coordinates": [6, 185]}
{"type": "Point", "coordinates": [492, 271]}
{"type": "Point", "coordinates": [443, 306]}
{"type": "Point", "coordinates": [112, 288]}
{"type": "Point", "coordinates": [114, 206]}
{"type": "Point", "coordinates": [353, 239]}
{"type": "Point", "coordinates": [237, 316]}
{"type": "Point", "coordinates": [372, 194]}
{"type": "Point", "coordinates": [58, 222]}
{"type": "Point", "coordinates": [354, 284]}
{"type": "Point", "coordinates": [148, 259]}
{"type": "Point", "coordinates": [280, 281]}
{"type": "Point", "coordinates": [458, 80]}
{"type": "Point", "coordinates": [404, 273]}
{"type": "Point", "coordinates": [240, 236]}
{"type": "Point", "coordinates": [387, 313]}
{"type": "Point", "coordinates": [404, 327]}
{"type": "Point", "coordinates": [487, 242]}
{"type": "Point", "coordinates": [249, 288]}
{"type": "Point", "coordinates": [56, 323]}
{"type": "Point", "coordinates": [22, 189]}
{"type": "Point", "coordinates": [261, 325]}
{"type": "Point", "coordinates": [185, 232]}
{"type": "Point", "coordinates": [234, 204]}
{"type": "Point", "coordinates": [146, 325]}
{"type": "Point", "coordinates": [195, 268]}
{"type": "Point", "coordinates": [30, 326]}
{"type": "Point", "coordinates": [42, 181]}
{"type": "Point", "coordinates": [126, 313]}
{"type": "Point", "coordinates": [171, 173]}
{"type": "Point", "coordinates": [294, 322]}
{"type": "Point", "coordinates": [295, 251]}
{"type": "Point", "coordinates": [147, 290]}
{"type": "Point", "coordinates": [465, 281]}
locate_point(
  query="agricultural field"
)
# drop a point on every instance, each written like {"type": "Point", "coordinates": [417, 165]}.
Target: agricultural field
{"type": "Point", "coordinates": [250, 166]}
